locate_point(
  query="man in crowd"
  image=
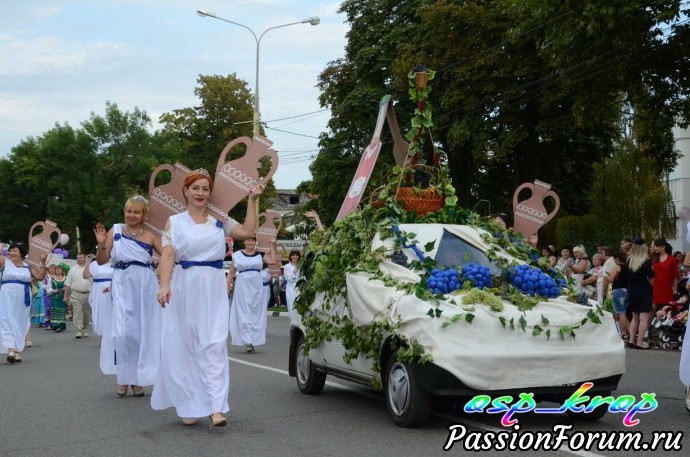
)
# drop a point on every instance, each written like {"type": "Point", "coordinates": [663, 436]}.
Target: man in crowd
{"type": "Point", "coordinates": [77, 296]}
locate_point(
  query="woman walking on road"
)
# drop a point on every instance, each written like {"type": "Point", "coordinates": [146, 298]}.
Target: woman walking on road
{"type": "Point", "coordinates": [136, 314]}
{"type": "Point", "coordinates": [15, 299]}
{"type": "Point", "coordinates": [56, 293]}
{"type": "Point", "coordinates": [194, 375]}
{"type": "Point", "coordinates": [249, 308]}
{"type": "Point", "coordinates": [291, 277]}
{"type": "Point", "coordinates": [101, 301]}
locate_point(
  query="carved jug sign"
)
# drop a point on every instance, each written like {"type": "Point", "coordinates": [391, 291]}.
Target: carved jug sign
{"type": "Point", "coordinates": [371, 155]}
{"type": "Point", "coordinates": [234, 179]}
{"type": "Point", "coordinates": [267, 231]}
{"type": "Point", "coordinates": [167, 199]}
{"type": "Point", "coordinates": [43, 242]}
{"type": "Point", "coordinates": [530, 214]}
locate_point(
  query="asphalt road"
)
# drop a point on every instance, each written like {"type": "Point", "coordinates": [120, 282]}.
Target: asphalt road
{"type": "Point", "coordinates": [57, 402]}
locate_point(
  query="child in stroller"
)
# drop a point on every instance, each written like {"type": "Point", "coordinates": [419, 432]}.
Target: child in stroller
{"type": "Point", "coordinates": [671, 321]}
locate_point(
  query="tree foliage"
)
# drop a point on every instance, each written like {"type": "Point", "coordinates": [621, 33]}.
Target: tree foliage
{"type": "Point", "coordinates": [75, 177]}
{"type": "Point", "coordinates": [524, 90]}
{"type": "Point", "coordinates": [224, 114]}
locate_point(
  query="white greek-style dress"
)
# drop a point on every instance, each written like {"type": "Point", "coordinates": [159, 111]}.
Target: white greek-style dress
{"type": "Point", "coordinates": [684, 370]}
{"type": "Point", "coordinates": [291, 274]}
{"type": "Point", "coordinates": [194, 375]}
{"type": "Point", "coordinates": [265, 287]}
{"type": "Point", "coordinates": [15, 306]}
{"type": "Point", "coordinates": [248, 311]}
{"type": "Point", "coordinates": [136, 312]}
{"type": "Point", "coordinates": [101, 300]}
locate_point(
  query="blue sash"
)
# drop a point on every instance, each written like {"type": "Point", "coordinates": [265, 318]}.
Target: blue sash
{"type": "Point", "coordinates": [250, 269]}
{"type": "Point", "coordinates": [27, 289]}
{"type": "Point", "coordinates": [103, 280]}
{"type": "Point", "coordinates": [124, 265]}
{"type": "Point", "coordinates": [206, 263]}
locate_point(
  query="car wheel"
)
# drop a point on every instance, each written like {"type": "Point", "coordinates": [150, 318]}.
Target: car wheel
{"type": "Point", "coordinates": [598, 413]}
{"type": "Point", "coordinates": [407, 405]}
{"type": "Point", "coordinates": [309, 380]}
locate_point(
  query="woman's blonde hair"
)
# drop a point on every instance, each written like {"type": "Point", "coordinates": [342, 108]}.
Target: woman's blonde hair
{"type": "Point", "coordinates": [581, 249]}
{"type": "Point", "coordinates": [637, 255]}
{"type": "Point", "coordinates": [139, 201]}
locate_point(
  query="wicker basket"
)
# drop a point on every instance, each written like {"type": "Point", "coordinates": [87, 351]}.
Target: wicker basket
{"type": "Point", "coordinates": [422, 202]}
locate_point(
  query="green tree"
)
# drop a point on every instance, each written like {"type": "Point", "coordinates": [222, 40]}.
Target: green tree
{"type": "Point", "coordinates": [224, 113]}
{"type": "Point", "coordinates": [222, 116]}
{"type": "Point", "coordinates": [523, 90]}
{"type": "Point", "coordinates": [75, 177]}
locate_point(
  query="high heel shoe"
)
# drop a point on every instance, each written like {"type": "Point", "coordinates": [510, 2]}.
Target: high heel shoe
{"type": "Point", "coordinates": [12, 357]}
{"type": "Point", "coordinates": [217, 422]}
{"type": "Point", "coordinates": [188, 421]}
{"type": "Point", "coordinates": [137, 391]}
{"type": "Point", "coordinates": [121, 390]}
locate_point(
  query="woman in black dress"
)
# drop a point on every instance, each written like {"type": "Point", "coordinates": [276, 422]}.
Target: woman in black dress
{"type": "Point", "coordinates": [640, 282]}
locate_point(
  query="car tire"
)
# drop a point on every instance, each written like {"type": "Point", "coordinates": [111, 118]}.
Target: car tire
{"type": "Point", "coordinates": [309, 380]}
{"type": "Point", "coordinates": [598, 413]}
{"type": "Point", "coordinates": [407, 405]}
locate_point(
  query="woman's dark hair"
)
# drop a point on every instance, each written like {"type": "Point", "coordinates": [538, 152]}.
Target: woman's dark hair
{"type": "Point", "coordinates": [661, 242]}
{"type": "Point", "coordinates": [295, 252]}
{"type": "Point", "coordinates": [21, 247]}
{"type": "Point", "coordinates": [620, 255]}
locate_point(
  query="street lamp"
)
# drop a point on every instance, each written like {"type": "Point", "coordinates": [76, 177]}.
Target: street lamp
{"type": "Point", "coordinates": [314, 20]}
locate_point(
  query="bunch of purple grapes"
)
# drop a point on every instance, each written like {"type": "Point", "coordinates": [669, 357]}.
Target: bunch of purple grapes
{"type": "Point", "coordinates": [421, 178]}
{"type": "Point", "coordinates": [398, 257]}
{"type": "Point", "coordinates": [478, 275]}
{"type": "Point", "coordinates": [443, 281]}
{"type": "Point", "coordinates": [533, 281]}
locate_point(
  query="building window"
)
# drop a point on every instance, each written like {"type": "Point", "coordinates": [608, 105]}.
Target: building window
{"type": "Point", "coordinates": [294, 199]}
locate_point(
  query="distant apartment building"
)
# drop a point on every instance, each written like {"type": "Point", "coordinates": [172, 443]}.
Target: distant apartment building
{"type": "Point", "coordinates": [285, 203]}
{"type": "Point", "coordinates": [679, 185]}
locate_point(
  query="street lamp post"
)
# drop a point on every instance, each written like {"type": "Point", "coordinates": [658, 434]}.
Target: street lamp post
{"type": "Point", "coordinates": [314, 20]}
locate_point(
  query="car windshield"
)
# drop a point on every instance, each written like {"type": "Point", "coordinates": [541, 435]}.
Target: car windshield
{"type": "Point", "coordinates": [454, 251]}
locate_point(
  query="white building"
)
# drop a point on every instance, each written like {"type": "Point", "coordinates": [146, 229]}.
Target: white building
{"type": "Point", "coordinates": [679, 184]}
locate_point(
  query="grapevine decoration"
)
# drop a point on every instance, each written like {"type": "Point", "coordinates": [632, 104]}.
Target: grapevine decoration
{"type": "Point", "coordinates": [345, 248]}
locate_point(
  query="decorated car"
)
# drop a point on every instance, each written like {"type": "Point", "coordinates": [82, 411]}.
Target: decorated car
{"type": "Point", "coordinates": [442, 310]}
{"type": "Point", "coordinates": [413, 294]}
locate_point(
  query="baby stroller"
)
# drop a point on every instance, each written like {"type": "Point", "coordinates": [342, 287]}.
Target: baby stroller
{"type": "Point", "coordinates": [671, 334]}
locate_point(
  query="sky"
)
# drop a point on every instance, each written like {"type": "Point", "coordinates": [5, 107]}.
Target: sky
{"type": "Point", "coordinates": [61, 60]}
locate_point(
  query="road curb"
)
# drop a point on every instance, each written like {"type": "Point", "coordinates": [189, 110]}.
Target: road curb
{"type": "Point", "coordinates": [278, 314]}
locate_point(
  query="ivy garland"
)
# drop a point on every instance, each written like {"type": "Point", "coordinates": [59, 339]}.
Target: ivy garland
{"type": "Point", "coordinates": [346, 248]}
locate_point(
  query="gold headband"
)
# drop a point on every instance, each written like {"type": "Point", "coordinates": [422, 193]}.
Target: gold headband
{"type": "Point", "coordinates": [202, 171]}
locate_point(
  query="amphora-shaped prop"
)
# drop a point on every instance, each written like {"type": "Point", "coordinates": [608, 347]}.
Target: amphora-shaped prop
{"type": "Point", "coordinates": [42, 242]}
{"type": "Point", "coordinates": [234, 179]}
{"type": "Point", "coordinates": [267, 231]}
{"type": "Point", "coordinates": [167, 199]}
{"type": "Point", "coordinates": [531, 214]}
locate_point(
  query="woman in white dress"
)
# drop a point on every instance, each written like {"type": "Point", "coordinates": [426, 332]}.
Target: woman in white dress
{"type": "Point", "coordinates": [136, 314]}
{"type": "Point", "coordinates": [248, 312]}
{"type": "Point", "coordinates": [102, 311]}
{"type": "Point", "coordinates": [291, 274]}
{"type": "Point", "coordinates": [265, 286]}
{"type": "Point", "coordinates": [194, 375]}
{"type": "Point", "coordinates": [15, 299]}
